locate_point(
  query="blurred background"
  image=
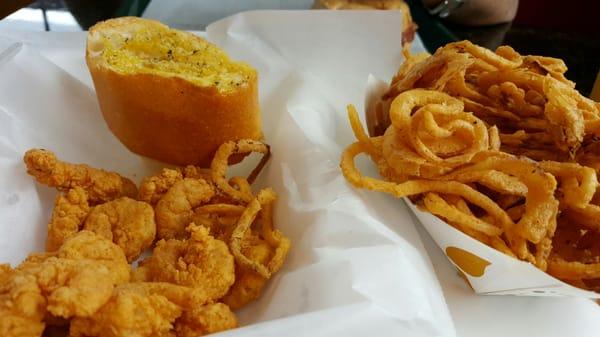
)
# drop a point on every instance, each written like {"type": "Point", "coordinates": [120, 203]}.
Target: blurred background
{"type": "Point", "coordinates": [564, 29]}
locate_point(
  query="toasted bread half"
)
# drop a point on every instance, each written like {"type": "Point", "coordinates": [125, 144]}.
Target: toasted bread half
{"type": "Point", "coordinates": [168, 94]}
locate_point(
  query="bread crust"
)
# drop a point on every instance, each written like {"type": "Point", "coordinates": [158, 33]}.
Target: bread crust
{"type": "Point", "coordinates": [169, 118]}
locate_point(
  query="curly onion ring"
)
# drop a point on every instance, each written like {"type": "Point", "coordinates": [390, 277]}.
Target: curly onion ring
{"type": "Point", "coordinates": [438, 136]}
{"type": "Point", "coordinates": [413, 187]}
{"type": "Point", "coordinates": [262, 203]}
{"type": "Point", "coordinates": [219, 165]}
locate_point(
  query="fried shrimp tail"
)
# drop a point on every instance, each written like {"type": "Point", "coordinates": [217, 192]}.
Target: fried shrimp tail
{"type": "Point", "coordinates": [127, 222]}
{"type": "Point", "coordinates": [70, 210]}
{"type": "Point", "coordinates": [176, 208]}
{"type": "Point", "coordinates": [100, 185]}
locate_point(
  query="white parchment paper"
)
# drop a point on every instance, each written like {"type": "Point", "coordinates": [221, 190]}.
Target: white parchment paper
{"type": "Point", "coordinates": [357, 265]}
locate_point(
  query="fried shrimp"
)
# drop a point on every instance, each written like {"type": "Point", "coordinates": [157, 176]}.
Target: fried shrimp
{"type": "Point", "coordinates": [84, 285]}
{"type": "Point", "coordinates": [79, 278]}
{"type": "Point", "coordinates": [132, 310]}
{"type": "Point", "coordinates": [200, 262]}
{"type": "Point", "coordinates": [73, 287]}
{"type": "Point", "coordinates": [22, 305]}
{"type": "Point", "coordinates": [70, 210]}
{"type": "Point", "coordinates": [204, 320]}
{"type": "Point", "coordinates": [127, 222]}
{"type": "Point", "coordinates": [87, 245]}
{"type": "Point", "coordinates": [100, 185]}
{"type": "Point", "coordinates": [152, 309]}
{"type": "Point", "coordinates": [154, 187]}
{"type": "Point", "coordinates": [175, 209]}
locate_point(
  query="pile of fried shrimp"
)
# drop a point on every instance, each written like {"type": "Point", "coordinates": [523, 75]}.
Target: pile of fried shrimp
{"type": "Point", "coordinates": [499, 145]}
{"type": "Point", "coordinates": [212, 240]}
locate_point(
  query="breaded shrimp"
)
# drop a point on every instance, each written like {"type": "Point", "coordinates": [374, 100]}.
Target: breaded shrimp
{"type": "Point", "coordinates": [140, 309]}
{"type": "Point", "coordinates": [131, 311]}
{"type": "Point", "coordinates": [200, 262]}
{"type": "Point", "coordinates": [176, 208]}
{"type": "Point", "coordinates": [70, 210]}
{"type": "Point", "coordinates": [206, 319]}
{"type": "Point", "coordinates": [87, 245]}
{"type": "Point", "coordinates": [100, 185]}
{"type": "Point", "coordinates": [127, 222]}
{"type": "Point", "coordinates": [79, 278]}
{"type": "Point", "coordinates": [154, 187]}
{"type": "Point", "coordinates": [22, 305]}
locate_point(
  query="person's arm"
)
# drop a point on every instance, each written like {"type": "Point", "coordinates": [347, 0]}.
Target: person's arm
{"type": "Point", "coordinates": [481, 12]}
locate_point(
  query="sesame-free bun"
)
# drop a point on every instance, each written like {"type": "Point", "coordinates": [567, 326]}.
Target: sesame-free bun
{"type": "Point", "coordinates": [168, 94]}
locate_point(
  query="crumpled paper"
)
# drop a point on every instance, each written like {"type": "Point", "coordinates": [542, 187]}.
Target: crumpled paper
{"type": "Point", "coordinates": [357, 265]}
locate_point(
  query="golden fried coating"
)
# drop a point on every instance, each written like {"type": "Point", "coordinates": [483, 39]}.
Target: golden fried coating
{"type": "Point", "coordinates": [127, 222]}
{"type": "Point", "coordinates": [148, 309]}
{"type": "Point", "coordinates": [204, 320]}
{"type": "Point", "coordinates": [64, 283]}
{"type": "Point", "coordinates": [6, 272]}
{"type": "Point", "coordinates": [196, 172]}
{"type": "Point", "coordinates": [84, 286]}
{"type": "Point", "coordinates": [176, 208]}
{"type": "Point", "coordinates": [70, 210]}
{"type": "Point", "coordinates": [154, 187]}
{"type": "Point", "coordinates": [259, 250]}
{"type": "Point", "coordinates": [22, 305]}
{"type": "Point", "coordinates": [141, 273]}
{"type": "Point", "coordinates": [100, 185]}
{"type": "Point", "coordinates": [132, 311]}
{"type": "Point", "coordinates": [220, 164]}
{"type": "Point", "coordinates": [200, 262]}
{"type": "Point", "coordinates": [72, 287]}
{"type": "Point", "coordinates": [248, 283]}
{"type": "Point", "coordinates": [35, 257]}
{"type": "Point", "coordinates": [220, 226]}
{"type": "Point", "coordinates": [261, 205]}
{"type": "Point", "coordinates": [87, 245]}
{"type": "Point", "coordinates": [79, 278]}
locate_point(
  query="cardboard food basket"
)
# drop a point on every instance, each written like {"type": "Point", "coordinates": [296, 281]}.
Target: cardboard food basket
{"type": "Point", "coordinates": [486, 270]}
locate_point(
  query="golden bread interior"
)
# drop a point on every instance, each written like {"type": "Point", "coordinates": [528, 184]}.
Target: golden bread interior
{"type": "Point", "coordinates": [137, 46]}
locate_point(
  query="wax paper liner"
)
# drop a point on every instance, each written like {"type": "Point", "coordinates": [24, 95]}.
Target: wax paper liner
{"type": "Point", "coordinates": [357, 264]}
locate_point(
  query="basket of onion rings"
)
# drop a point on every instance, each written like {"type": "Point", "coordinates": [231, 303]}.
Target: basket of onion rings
{"type": "Point", "coordinates": [497, 154]}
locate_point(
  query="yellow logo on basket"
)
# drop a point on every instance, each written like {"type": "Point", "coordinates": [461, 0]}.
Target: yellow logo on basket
{"type": "Point", "coordinates": [467, 262]}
